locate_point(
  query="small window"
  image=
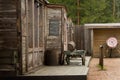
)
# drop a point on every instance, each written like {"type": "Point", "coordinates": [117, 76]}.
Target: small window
{"type": "Point", "coordinates": [53, 27]}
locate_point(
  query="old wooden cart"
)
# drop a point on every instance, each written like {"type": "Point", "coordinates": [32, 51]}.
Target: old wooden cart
{"type": "Point", "coordinates": [72, 52]}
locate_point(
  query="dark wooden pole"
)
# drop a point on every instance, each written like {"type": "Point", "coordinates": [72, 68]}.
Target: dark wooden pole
{"type": "Point", "coordinates": [101, 57]}
{"type": "Point", "coordinates": [110, 53]}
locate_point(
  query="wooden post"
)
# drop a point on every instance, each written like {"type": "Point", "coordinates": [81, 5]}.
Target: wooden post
{"type": "Point", "coordinates": [27, 39]}
{"type": "Point", "coordinates": [101, 57]}
{"type": "Point", "coordinates": [33, 30]}
{"type": "Point", "coordinates": [110, 53]}
{"type": "Point", "coordinates": [19, 38]}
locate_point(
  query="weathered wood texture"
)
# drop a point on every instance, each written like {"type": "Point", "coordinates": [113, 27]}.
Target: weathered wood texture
{"type": "Point", "coordinates": [87, 40]}
{"type": "Point", "coordinates": [100, 37]}
{"type": "Point", "coordinates": [22, 35]}
{"type": "Point", "coordinates": [8, 36]}
{"type": "Point", "coordinates": [79, 37]}
{"type": "Point", "coordinates": [56, 28]}
{"type": "Point", "coordinates": [24, 27]}
{"type": "Point", "coordinates": [70, 31]}
{"type": "Point", "coordinates": [97, 34]}
{"type": "Point", "coordinates": [32, 24]}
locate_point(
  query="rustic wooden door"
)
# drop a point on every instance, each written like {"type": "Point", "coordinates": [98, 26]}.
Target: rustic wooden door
{"type": "Point", "coordinates": [35, 35]}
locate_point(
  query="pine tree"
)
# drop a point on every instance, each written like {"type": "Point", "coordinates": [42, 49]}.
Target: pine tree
{"type": "Point", "coordinates": [92, 11]}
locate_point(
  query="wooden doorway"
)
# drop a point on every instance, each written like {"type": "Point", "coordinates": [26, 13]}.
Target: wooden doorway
{"type": "Point", "coordinates": [35, 53]}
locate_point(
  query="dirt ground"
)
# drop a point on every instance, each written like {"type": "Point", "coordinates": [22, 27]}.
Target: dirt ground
{"type": "Point", "coordinates": [111, 69]}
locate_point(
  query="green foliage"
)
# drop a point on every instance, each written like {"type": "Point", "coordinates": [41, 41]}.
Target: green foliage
{"type": "Point", "coordinates": [117, 14]}
{"type": "Point", "coordinates": [101, 67]}
{"type": "Point", "coordinates": [95, 11]}
{"type": "Point", "coordinates": [92, 11]}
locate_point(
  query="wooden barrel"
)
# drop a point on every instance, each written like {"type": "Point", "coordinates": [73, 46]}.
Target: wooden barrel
{"type": "Point", "coordinates": [52, 57]}
{"type": "Point", "coordinates": [71, 46]}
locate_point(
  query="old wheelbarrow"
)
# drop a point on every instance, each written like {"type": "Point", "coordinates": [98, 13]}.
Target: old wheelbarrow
{"type": "Point", "coordinates": [72, 52]}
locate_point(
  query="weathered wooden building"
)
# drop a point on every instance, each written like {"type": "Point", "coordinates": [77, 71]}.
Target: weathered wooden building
{"type": "Point", "coordinates": [97, 34]}
{"type": "Point", "coordinates": [56, 29]}
{"type": "Point", "coordinates": [21, 35]}
{"type": "Point", "coordinates": [28, 28]}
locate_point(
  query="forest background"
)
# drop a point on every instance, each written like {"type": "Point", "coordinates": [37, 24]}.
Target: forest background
{"type": "Point", "coordinates": [91, 11]}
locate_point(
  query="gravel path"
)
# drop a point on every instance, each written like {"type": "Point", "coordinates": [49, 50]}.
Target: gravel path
{"type": "Point", "coordinates": [111, 69]}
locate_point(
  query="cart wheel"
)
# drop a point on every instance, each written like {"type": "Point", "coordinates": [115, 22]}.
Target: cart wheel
{"type": "Point", "coordinates": [68, 60]}
{"type": "Point", "coordinates": [62, 59]}
{"type": "Point", "coordinates": [83, 60]}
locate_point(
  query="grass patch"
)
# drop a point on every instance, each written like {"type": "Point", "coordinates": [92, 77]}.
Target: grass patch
{"type": "Point", "coordinates": [101, 68]}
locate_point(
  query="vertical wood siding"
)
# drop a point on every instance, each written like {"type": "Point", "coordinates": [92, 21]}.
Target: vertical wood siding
{"type": "Point", "coordinates": [21, 35]}
{"type": "Point", "coordinates": [32, 34]}
{"type": "Point", "coordinates": [100, 37]}
{"type": "Point", "coordinates": [53, 34]}
{"type": "Point", "coordinates": [56, 29]}
{"type": "Point", "coordinates": [79, 36]}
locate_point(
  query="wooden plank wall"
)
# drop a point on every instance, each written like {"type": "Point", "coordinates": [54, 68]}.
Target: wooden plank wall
{"type": "Point", "coordinates": [97, 35]}
{"type": "Point", "coordinates": [88, 33]}
{"type": "Point", "coordinates": [100, 37]}
{"type": "Point", "coordinates": [65, 28]}
{"type": "Point", "coordinates": [32, 24]}
{"type": "Point", "coordinates": [56, 28]}
{"type": "Point", "coordinates": [70, 31]}
{"type": "Point", "coordinates": [8, 36]}
{"type": "Point", "coordinates": [53, 19]}
{"type": "Point", "coordinates": [21, 35]}
{"type": "Point", "coordinates": [79, 36]}
{"type": "Point", "coordinates": [24, 26]}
